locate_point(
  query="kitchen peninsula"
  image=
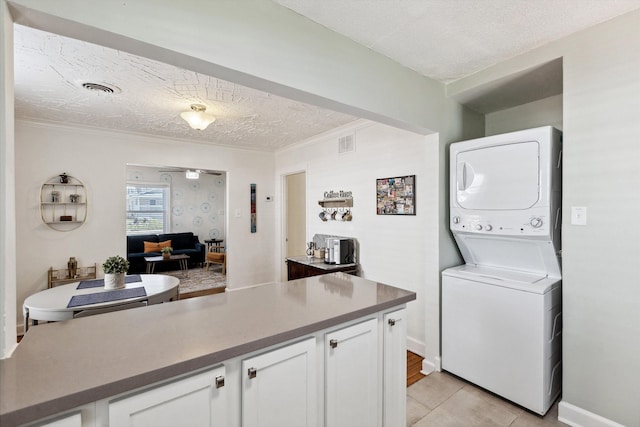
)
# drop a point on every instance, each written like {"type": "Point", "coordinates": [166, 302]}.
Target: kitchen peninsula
{"type": "Point", "coordinates": [305, 352]}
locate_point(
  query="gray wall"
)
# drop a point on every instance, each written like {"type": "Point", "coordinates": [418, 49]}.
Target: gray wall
{"type": "Point", "coordinates": [601, 281]}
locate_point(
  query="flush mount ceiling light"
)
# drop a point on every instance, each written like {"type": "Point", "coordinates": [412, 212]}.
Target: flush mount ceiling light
{"type": "Point", "coordinates": [197, 118]}
{"type": "Point", "coordinates": [192, 174]}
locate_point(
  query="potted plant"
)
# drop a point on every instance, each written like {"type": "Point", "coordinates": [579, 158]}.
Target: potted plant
{"type": "Point", "coordinates": [114, 268]}
{"type": "Point", "coordinates": [166, 252]}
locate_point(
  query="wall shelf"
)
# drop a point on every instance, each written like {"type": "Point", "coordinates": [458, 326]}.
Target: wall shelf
{"type": "Point", "coordinates": [336, 203]}
{"type": "Point", "coordinates": [63, 199]}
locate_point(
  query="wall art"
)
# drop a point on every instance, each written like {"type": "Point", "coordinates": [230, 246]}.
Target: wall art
{"type": "Point", "coordinates": [396, 196]}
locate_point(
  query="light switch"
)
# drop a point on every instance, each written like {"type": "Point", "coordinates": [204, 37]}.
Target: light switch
{"type": "Point", "coordinates": [237, 213]}
{"type": "Point", "coordinates": [578, 215]}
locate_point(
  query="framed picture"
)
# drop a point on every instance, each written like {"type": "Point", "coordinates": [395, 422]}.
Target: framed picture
{"type": "Point", "coordinates": [396, 196]}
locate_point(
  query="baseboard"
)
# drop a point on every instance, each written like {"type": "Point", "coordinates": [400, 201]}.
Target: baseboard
{"type": "Point", "coordinates": [578, 417]}
{"type": "Point", "coordinates": [429, 366]}
{"type": "Point", "coordinates": [247, 287]}
{"type": "Point", "coordinates": [415, 346]}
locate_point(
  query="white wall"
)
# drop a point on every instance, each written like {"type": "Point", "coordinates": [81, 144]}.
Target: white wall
{"type": "Point", "coordinates": [99, 159]}
{"type": "Point", "coordinates": [393, 249]}
{"type": "Point", "coordinates": [601, 296]}
{"type": "Point", "coordinates": [7, 190]}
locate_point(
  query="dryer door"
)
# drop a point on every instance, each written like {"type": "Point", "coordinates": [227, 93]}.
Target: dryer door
{"type": "Point", "coordinates": [498, 177]}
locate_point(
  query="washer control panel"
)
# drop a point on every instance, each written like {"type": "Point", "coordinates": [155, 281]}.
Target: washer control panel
{"type": "Point", "coordinates": [505, 224]}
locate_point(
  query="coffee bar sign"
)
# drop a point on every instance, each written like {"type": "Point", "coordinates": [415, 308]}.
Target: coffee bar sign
{"type": "Point", "coordinates": [337, 195]}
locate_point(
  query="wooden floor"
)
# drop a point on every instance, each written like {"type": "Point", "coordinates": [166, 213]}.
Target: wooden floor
{"type": "Point", "coordinates": [414, 365]}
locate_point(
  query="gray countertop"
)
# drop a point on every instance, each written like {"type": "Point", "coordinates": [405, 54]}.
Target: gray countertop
{"type": "Point", "coordinates": [59, 366]}
{"type": "Point", "coordinates": [319, 263]}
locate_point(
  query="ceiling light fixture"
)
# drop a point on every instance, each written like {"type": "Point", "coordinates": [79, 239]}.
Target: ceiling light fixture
{"type": "Point", "coordinates": [192, 174]}
{"type": "Point", "coordinates": [197, 118]}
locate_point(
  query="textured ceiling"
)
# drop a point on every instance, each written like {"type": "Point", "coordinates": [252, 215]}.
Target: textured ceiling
{"type": "Point", "coordinates": [441, 39]}
{"type": "Point", "coordinates": [450, 39]}
{"type": "Point", "coordinates": [50, 71]}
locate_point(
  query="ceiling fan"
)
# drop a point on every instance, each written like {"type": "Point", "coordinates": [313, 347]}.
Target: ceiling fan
{"type": "Point", "coordinates": [192, 173]}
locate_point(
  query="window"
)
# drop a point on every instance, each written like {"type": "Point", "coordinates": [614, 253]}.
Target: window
{"type": "Point", "coordinates": [147, 209]}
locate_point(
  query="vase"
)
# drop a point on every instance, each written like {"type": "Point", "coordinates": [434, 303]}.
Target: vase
{"type": "Point", "coordinates": [114, 280]}
{"type": "Point", "coordinates": [166, 255]}
{"type": "Point", "coordinates": [72, 266]}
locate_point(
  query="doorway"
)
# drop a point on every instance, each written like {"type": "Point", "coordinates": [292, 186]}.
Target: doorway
{"type": "Point", "coordinates": [295, 214]}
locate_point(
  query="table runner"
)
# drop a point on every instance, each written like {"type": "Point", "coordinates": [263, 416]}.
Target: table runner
{"type": "Point", "coordinates": [99, 297]}
{"type": "Point", "coordinates": [85, 284]}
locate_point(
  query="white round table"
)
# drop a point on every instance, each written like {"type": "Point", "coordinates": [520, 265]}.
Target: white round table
{"type": "Point", "coordinates": [51, 304]}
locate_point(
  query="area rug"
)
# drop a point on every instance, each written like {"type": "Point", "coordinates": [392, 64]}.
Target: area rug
{"type": "Point", "coordinates": [199, 279]}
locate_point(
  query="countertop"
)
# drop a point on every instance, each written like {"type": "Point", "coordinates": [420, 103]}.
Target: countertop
{"type": "Point", "coordinates": [319, 263]}
{"type": "Point", "coordinates": [59, 366]}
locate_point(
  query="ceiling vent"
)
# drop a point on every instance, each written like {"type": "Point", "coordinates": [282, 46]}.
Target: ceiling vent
{"type": "Point", "coordinates": [346, 144]}
{"type": "Point", "coordinates": [101, 87]}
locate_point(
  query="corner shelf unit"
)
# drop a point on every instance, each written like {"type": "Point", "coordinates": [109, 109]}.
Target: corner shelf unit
{"type": "Point", "coordinates": [63, 206]}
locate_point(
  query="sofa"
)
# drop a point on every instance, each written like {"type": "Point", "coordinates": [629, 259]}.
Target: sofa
{"type": "Point", "coordinates": [182, 243]}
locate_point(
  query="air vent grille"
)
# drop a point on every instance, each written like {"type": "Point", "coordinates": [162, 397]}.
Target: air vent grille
{"type": "Point", "coordinates": [100, 87]}
{"type": "Point", "coordinates": [346, 144]}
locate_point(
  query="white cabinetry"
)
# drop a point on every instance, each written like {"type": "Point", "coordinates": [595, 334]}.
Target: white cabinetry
{"type": "Point", "coordinates": [352, 376]}
{"type": "Point", "coordinates": [195, 401]}
{"type": "Point", "coordinates": [394, 368]}
{"type": "Point", "coordinates": [279, 387]}
{"type": "Point", "coordinates": [349, 375]}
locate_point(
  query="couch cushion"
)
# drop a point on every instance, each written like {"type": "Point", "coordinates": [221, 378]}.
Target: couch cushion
{"type": "Point", "coordinates": [179, 240]}
{"type": "Point", "coordinates": [135, 243]}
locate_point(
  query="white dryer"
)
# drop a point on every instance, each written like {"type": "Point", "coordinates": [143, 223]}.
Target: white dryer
{"type": "Point", "coordinates": [501, 312]}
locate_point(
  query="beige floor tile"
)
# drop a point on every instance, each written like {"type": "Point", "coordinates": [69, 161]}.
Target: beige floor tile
{"type": "Point", "coordinates": [434, 389]}
{"type": "Point", "coordinates": [528, 419]}
{"type": "Point", "coordinates": [468, 408]}
{"type": "Point", "coordinates": [415, 411]}
{"type": "Point", "coordinates": [493, 399]}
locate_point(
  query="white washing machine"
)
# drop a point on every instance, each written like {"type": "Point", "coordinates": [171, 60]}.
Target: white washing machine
{"type": "Point", "coordinates": [501, 311]}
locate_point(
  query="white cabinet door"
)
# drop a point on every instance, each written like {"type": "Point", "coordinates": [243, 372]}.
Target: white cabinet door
{"type": "Point", "coordinates": [352, 376]}
{"type": "Point", "coordinates": [195, 401]}
{"type": "Point", "coordinates": [394, 369]}
{"type": "Point", "coordinates": [279, 387]}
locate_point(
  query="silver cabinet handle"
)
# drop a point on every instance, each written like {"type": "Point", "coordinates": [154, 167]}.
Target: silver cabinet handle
{"type": "Point", "coordinates": [252, 372]}
{"type": "Point", "coordinates": [333, 343]}
{"type": "Point", "coordinates": [219, 381]}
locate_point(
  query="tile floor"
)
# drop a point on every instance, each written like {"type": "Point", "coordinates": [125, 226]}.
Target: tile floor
{"type": "Point", "coordinates": [443, 400]}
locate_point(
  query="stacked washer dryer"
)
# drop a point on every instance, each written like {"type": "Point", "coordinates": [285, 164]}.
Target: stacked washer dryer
{"type": "Point", "coordinates": [501, 311]}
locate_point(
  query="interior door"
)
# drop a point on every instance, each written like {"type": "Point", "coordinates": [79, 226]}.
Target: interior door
{"type": "Point", "coordinates": [499, 177]}
{"type": "Point", "coordinates": [296, 214]}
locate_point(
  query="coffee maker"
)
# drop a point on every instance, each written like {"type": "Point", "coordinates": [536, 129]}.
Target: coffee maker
{"type": "Point", "coordinates": [340, 250]}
